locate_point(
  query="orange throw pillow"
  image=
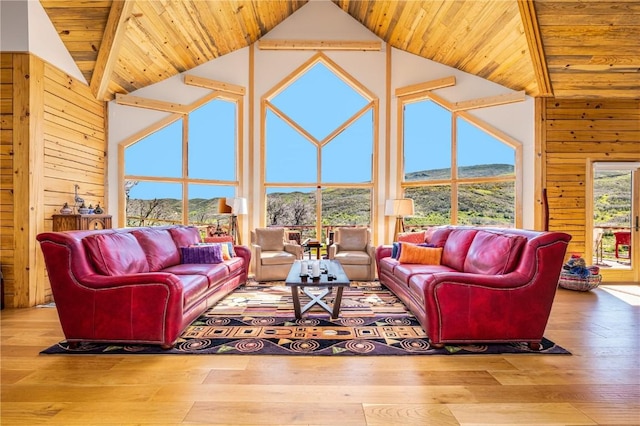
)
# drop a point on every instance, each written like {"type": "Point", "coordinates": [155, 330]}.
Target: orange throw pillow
{"type": "Point", "coordinates": [422, 255]}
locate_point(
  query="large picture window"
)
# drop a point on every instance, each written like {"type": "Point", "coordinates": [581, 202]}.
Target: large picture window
{"type": "Point", "coordinates": [195, 173]}
{"type": "Point", "coordinates": [454, 167]}
{"type": "Point", "coordinates": [319, 148]}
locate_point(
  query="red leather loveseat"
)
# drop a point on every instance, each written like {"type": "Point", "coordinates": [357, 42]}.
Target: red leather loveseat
{"type": "Point", "coordinates": [129, 285]}
{"type": "Point", "coordinates": [491, 285]}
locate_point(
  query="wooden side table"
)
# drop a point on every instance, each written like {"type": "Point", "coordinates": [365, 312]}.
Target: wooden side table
{"type": "Point", "coordinates": [317, 245]}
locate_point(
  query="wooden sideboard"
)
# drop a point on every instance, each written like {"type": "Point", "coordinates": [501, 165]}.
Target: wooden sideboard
{"type": "Point", "coordinates": [72, 222]}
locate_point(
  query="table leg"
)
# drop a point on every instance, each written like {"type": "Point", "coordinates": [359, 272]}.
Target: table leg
{"type": "Point", "coordinates": [315, 299]}
{"type": "Point", "coordinates": [337, 302]}
{"type": "Point", "coordinates": [296, 301]}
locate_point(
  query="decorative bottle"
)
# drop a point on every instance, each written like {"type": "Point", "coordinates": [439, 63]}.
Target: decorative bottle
{"type": "Point", "coordinates": [66, 209]}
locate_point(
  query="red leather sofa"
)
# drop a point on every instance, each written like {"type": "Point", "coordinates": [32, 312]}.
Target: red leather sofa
{"type": "Point", "coordinates": [129, 286]}
{"type": "Point", "coordinates": [492, 285]}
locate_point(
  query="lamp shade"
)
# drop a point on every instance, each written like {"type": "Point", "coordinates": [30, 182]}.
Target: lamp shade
{"type": "Point", "coordinates": [223, 206]}
{"type": "Point", "coordinates": [399, 207]}
{"type": "Point", "coordinates": [238, 205]}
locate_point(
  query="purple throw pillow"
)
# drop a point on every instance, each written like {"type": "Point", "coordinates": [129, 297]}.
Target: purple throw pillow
{"type": "Point", "coordinates": [202, 254]}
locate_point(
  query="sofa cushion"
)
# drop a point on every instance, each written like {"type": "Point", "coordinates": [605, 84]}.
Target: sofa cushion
{"type": "Point", "coordinates": [270, 239]}
{"type": "Point", "coordinates": [214, 272]}
{"type": "Point", "coordinates": [158, 246]}
{"type": "Point", "coordinates": [412, 237]}
{"type": "Point", "coordinates": [202, 254]}
{"type": "Point", "coordinates": [185, 236]}
{"type": "Point", "coordinates": [419, 282]}
{"type": "Point", "coordinates": [353, 257]}
{"type": "Point", "coordinates": [439, 236]}
{"type": "Point", "coordinates": [456, 247]}
{"type": "Point", "coordinates": [116, 254]}
{"type": "Point", "coordinates": [388, 264]}
{"type": "Point", "coordinates": [277, 258]}
{"type": "Point", "coordinates": [193, 288]}
{"type": "Point", "coordinates": [234, 264]}
{"type": "Point", "coordinates": [428, 233]}
{"type": "Point", "coordinates": [219, 239]}
{"type": "Point", "coordinates": [353, 239]}
{"type": "Point", "coordinates": [411, 253]}
{"type": "Point", "coordinates": [492, 253]}
{"type": "Point", "coordinates": [404, 271]}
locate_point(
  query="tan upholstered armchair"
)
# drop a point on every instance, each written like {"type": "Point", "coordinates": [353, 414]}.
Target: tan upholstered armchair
{"type": "Point", "coordinates": [352, 248]}
{"type": "Point", "coordinates": [272, 257]}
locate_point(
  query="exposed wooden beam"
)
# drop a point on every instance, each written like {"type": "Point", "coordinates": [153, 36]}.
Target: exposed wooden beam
{"type": "Point", "coordinates": [319, 45]}
{"type": "Point", "coordinates": [490, 101]}
{"type": "Point", "coordinates": [151, 104]}
{"type": "Point", "coordinates": [536, 50]}
{"type": "Point", "coordinates": [109, 47]}
{"type": "Point", "coordinates": [426, 86]}
{"type": "Point", "coordinates": [193, 80]}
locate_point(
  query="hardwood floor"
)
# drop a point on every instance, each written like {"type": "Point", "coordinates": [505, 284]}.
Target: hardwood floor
{"type": "Point", "coordinates": [598, 384]}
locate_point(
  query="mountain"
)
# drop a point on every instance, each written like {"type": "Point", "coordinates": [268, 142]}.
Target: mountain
{"type": "Point", "coordinates": [490, 203]}
{"type": "Point", "coordinates": [612, 198]}
{"type": "Point", "coordinates": [483, 170]}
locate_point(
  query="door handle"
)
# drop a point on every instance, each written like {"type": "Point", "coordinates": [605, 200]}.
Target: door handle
{"type": "Point", "coordinates": [637, 224]}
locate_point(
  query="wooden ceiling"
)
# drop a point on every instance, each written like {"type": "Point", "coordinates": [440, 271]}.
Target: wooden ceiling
{"type": "Point", "coordinates": [585, 48]}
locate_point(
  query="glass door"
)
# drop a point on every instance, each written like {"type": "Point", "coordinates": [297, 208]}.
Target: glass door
{"type": "Point", "coordinates": [615, 220]}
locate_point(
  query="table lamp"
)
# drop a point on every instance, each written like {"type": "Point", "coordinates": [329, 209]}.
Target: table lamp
{"type": "Point", "coordinates": [399, 208]}
{"type": "Point", "coordinates": [238, 206]}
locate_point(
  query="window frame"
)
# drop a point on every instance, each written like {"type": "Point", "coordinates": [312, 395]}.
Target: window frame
{"type": "Point", "coordinates": [371, 105]}
{"type": "Point", "coordinates": [454, 181]}
{"type": "Point", "coordinates": [234, 95]}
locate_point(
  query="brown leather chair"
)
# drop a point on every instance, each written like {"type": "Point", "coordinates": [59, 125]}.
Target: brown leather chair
{"type": "Point", "coordinates": [272, 255]}
{"type": "Point", "coordinates": [352, 248]}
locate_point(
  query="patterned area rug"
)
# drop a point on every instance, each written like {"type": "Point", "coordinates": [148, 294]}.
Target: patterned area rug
{"type": "Point", "coordinates": [258, 319]}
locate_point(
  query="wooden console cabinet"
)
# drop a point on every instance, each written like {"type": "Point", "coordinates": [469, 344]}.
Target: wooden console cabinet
{"type": "Point", "coordinates": [72, 222]}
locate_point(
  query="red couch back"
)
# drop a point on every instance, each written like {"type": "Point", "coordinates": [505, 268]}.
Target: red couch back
{"type": "Point", "coordinates": [488, 251]}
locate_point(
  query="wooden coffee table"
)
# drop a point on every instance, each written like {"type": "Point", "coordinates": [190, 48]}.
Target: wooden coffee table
{"type": "Point", "coordinates": [333, 276]}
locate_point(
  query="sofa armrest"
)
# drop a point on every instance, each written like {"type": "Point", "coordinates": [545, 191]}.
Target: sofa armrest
{"type": "Point", "coordinates": [511, 280]}
{"type": "Point", "coordinates": [512, 303]}
{"type": "Point", "coordinates": [383, 251]}
{"type": "Point", "coordinates": [371, 250]}
{"type": "Point", "coordinates": [245, 253]}
{"type": "Point", "coordinates": [256, 256]}
{"type": "Point", "coordinates": [333, 250]}
{"type": "Point", "coordinates": [294, 249]}
{"type": "Point", "coordinates": [102, 282]}
{"type": "Point", "coordinates": [146, 307]}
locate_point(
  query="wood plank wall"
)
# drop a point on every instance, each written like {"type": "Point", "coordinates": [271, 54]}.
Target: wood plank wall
{"type": "Point", "coordinates": [578, 132]}
{"type": "Point", "coordinates": [61, 143]}
{"type": "Point", "coordinates": [6, 169]}
{"type": "Point", "coordinates": [75, 143]}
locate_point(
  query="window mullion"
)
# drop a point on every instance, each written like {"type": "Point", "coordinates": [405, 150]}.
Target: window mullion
{"type": "Point", "coordinates": [185, 169]}
{"type": "Point", "coordinates": [454, 169]}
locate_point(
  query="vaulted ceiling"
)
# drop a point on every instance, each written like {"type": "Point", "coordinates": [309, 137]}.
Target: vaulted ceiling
{"type": "Point", "coordinates": [584, 48]}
